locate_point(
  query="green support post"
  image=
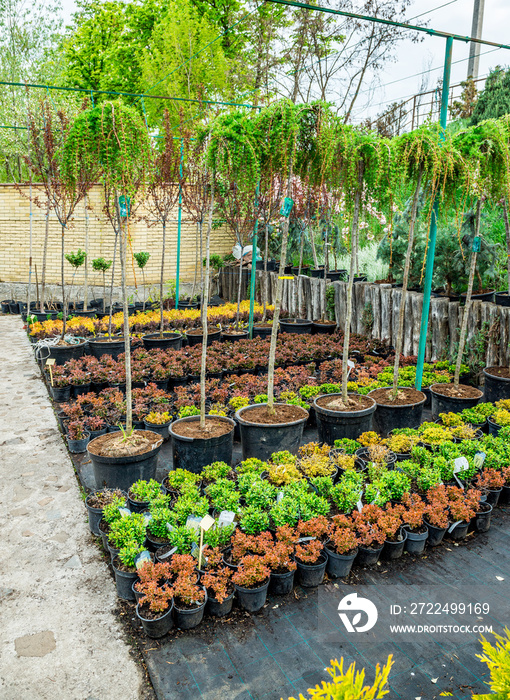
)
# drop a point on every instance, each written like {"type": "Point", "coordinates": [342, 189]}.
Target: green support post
{"type": "Point", "coordinates": [179, 218]}
{"type": "Point", "coordinates": [429, 269]}
{"type": "Point", "coordinates": [253, 276]}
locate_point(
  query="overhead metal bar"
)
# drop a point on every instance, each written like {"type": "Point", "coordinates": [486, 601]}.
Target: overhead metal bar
{"type": "Point", "coordinates": [391, 23]}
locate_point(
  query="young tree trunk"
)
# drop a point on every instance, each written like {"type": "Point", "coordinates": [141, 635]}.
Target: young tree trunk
{"type": "Point", "coordinates": [45, 253]}
{"type": "Point", "coordinates": [86, 278]}
{"type": "Point", "coordinates": [161, 302]}
{"type": "Point", "coordinates": [463, 329]}
{"type": "Point", "coordinates": [240, 285]}
{"type": "Point", "coordinates": [104, 290]}
{"type": "Point", "coordinates": [296, 280]}
{"type": "Point", "coordinates": [326, 270]}
{"type": "Point", "coordinates": [205, 299]}
{"type": "Point", "coordinates": [314, 249]}
{"type": "Point", "coordinates": [354, 257]}
{"type": "Point", "coordinates": [407, 265]}
{"type": "Point", "coordinates": [507, 232]}
{"type": "Point", "coordinates": [62, 278]}
{"type": "Point", "coordinates": [198, 234]}
{"type": "Point", "coordinates": [127, 339]}
{"type": "Point", "coordinates": [111, 285]}
{"type": "Point", "coordinates": [144, 289]}
{"type": "Point", "coordinates": [265, 286]}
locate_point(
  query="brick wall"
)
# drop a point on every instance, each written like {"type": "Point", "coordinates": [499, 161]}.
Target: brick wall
{"type": "Point", "coordinates": [15, 241]}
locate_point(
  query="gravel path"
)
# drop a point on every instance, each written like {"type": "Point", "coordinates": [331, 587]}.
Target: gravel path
{"type": "Point", "coordinates": [58, 635]}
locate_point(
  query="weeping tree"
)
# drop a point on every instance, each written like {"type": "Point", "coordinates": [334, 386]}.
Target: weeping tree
{"type": "Point", "coordinates": [269, 203]}
{"type": "Point", "coordinates": [63, 183]}
{"type": "Point", "coordinates": [163, 191]}
{"type": "Point", "coordinates": [233, 150]}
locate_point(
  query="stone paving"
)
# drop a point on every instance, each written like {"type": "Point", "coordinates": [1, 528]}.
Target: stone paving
{"type": "Point", "coordinates": [59, 637]}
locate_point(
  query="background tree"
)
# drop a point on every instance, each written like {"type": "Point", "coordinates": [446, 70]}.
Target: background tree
{"type": "Point", "coordinates": [142, 258]}
{"type": "Point", "coordinates": [102, 265]}
{"type": "Point", "coordinates": [494, 100]}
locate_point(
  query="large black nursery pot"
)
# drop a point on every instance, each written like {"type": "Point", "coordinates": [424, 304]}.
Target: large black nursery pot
{"type": "Point", "coordinates": [159, 626]}
{"type": "Point", "coordinates": [103, 345]}
{"type": "Point", "coordinates": [388, 416]}
{"type": "Point", "coordinates": [169, 340]}
{"type": "Point", "coordinates": [323, 327]}
{"type": "Point", "coordinates": [334, 425]}
{"type": "Point", "coordinates": [62, 353]}
{"type": "Point", "coordinates": [311, 575]}
{"type": "Point", "coordinates": [193, 453]}
{"type": "Point", "coordinates": [503, 298]}
{"type": "Point", "coordinates": [339, 565]}
{"type": "Point", "coordinates": [252, 599]}
{"type": "Point", "coordinates": [450, 404]}
{"type": "Point", "coordinates": [496, 388]}
{"type": "Point", "coordinates": [122, 472]}
{"type": "Point", "coordinates": [262, 439]}
{"type": "Point", "coordinates": [300, 325]}
{"type": "Point", "coordinates": [196, 338]}
{"type": "Point", "coordinates": [262, 331]}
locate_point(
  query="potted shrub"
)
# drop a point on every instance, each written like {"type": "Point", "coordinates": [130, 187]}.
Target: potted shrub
{"type": "Point", "coordinates": [390, 523]}
{"type": "Point", "coordinates": [251, 581]}
{"type": "Point", "coordinates": [125, 541]}
{"type": "Point", "coordinates": [463, 507]}
{"type": "Point", "coordinates": [371, 537]}
{"type": "Point", "coordinates": [96, 502]}
{"type": "Point", "coordinates": [142, 493]}
{"type": "Point", "coordinates": [436, 514]}
{"type": "Point", "coordinates": [111, 513]}
{"type": "Point", "coordinates": [218, 584]}
{"type": "Point", "coordinates": [310, 555]}
{"type": "Point", "coordinates": [77, 437]}
{"type": "Point", "coordinates": [189, 599]}
{"type": "Point", "coordinates": [342, 546]}
{"type": "Point", "coordinates": [417, 531]}
{"type": "Point", "coordinates": [155, 603]}
{"type": "Point", "coordinates": [280, 559]}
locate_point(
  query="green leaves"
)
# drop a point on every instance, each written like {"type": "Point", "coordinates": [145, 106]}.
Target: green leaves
{"type": "Point", "coordinates": [141, 259]}
{"type": "Point", "coordinates": [76, 259]}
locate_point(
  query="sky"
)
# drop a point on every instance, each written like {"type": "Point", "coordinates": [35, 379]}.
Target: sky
{"type": "Point", "coordinates": [400, 79]}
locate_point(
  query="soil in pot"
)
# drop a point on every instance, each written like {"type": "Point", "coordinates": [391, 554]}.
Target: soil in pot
{"type": "Point", "coordinates": [446, 398]}
{"type": "Point", "coordinates": [335, 420]}
{"type": "Point", "coordinates": [213, 428]}
{"type": "Point", "coordinates": [194, 448]}
{"type": "Point", "coordinates": [262, 433]}
{"type": "Point", "coordinates": [497, 384]}
{"type": "Point", "coordinates": [401, 411]}
{"type": "Point", "coordinates": [95, 502]}
{"type": "Point", "coordinates": [112, 445]}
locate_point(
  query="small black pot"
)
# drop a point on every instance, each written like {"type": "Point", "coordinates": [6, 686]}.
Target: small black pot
{"type": "Point", "coordinates": [252, 599]}
{"type": "Point", "coordinates": [493, 496]}
{"type": "Point", "coordinates": [459, 532]}
{"type": "Point", "coordinates": [281, 584]}
{"type": "Point", "coordinates": [124, 581]}
{"type": "Point", "coordinates": [195, 453]}
{"type": "Point", "coordinates": [311, 575]}
{"type": "Point", "coordinates": [416, 541]}
{"type": "Point", "coordinates": [261, 440]}
{"type": "Point", "coordinates": [61, 394]}
{"type": "Point", "coordinates": [339, 565]}
{"type": "Point", "coordinates": [449, 404]}
{"type": "Point", "coordinates": [436, 534]}
{"type": "Point", "coordinates": [169, 340]}
{"type": "Point", "coordinates": [158, 627]}
{"type": "Point", "coordinates": [217, 609]}
{"type": "Point", "coordinates": [494, 428]}
{"type": "Point", "coordinates": [299, 326]}
{"type": "Point", "coordinates": [368, 556]}
{"type": "Point", "coordinates": [394, 550]}
{"type": "Point", "coordinates": [505, 495]}
{"type": "Point", "coordinates": [496, 388]}
{"type": "Point", "coordinates": [334, 425]}
{"type": "Point", "coordinates": [482, 520]}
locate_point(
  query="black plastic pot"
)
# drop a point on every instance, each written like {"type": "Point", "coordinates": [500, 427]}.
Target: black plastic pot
{"type": "Point", "coordinates": [99, 347]}
{"type": "Point", "coordinates": [158, 627]}
{"type": "Point", "coordinates": [228, 337]}
{"type": "Point", "coordinates": [311, 575]}
{"type": "Point", "coordinates": [261, 440]}
{"type": "Point", "coordinates": [299, 326]}
{"type": "Point", "coordinates": [482, 520]}
{"type": "Point", "coordinates": [79, 389]}
{"type": "Point", "coordinates": [334, 425]}
{"type": "Point", "coordinates": [195, 453]}
{"type": "Point", "coordinates": [494, 428]}
{"type": "Point", "coordinates": [62, 353]}
{"type": "Point", "coordinates": [95, 515]}
{"type": "Point", "coordinates": [212, 336]}
{"type": "Point", "coordinates": [188, 619]}
{"type": "Point", "coordinates": [252, 599]}
{"type": "Point", "coordinates": [137, 506]}
{"type": "Point", "coordinates": [493, 496]}
{"type": "Point", "coordinates": [485, 296]}
{"type": "Point", "coordinates": [169, 340]}
{"type": "Point", "coordinates": [122, 472]}
{"type": "Point", "coordinates": [449, 404]}
{"type": "Point", "coordinates": [387, 417]}
{"type": "Point", "coordinates": [187, 305]}
{"type": "Point", "coordinates": [5, 305]}
{"type": "Point", "coordinates": [360, 278]}
{"type": "Point", "coordinates": [460, 531]}
{"type": "Point", "coordinates": [496, 388]}
{"type": "Point", "coordinates": [317, 273]}
{"type": "Point", "coordinates": [502, 298]}
{"type": "Point", "coordinates": [281, 584]}
{"type": "Point", "coordinates": [416, 541]}
{"type": "Point", "coordinates": [160, 429]}
{"type": "Point", "coordinates": [78, 446]}
{"type": "Point", "coordinates": [368, 556]}
{"type": "Point", "coordinates": [323, 328]}
{"type": "Point", "coordinates": [124, 581]}
{"type": "Point", "coordinates": [436, 535]}
{"type": "Point", "coordinates": [61, 394]}
{"type": "Point", "coordinates": [262, 331]}
{"type": "Point", "coordinates": [394, 550]}
{"type": "Point", "coordinates": [505, 495]}
{"type": "Point", "coordinates": [217, 609]}
{"type": "Point", "coordinates": [339, 565]}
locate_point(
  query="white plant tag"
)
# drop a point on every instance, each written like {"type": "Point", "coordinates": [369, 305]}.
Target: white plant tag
{"type": "Point", "coordinates": [168, 554]}
{"type": "Point", "coordinates": [169, 527]}
{"type": "Point", "coordinates": [306, 539]}
{"type": "Point", "coordinates": [279, 496]}
{"type": "Point", "coordinates": [359, 504]}
{"type": "Point", "coordinates": [207, 522]}
{"type": "Point", "coordinates": [193, 521]}
{"type": "Point", "coordinates": [124, 512]}
{"type": "Point", "coordinates": [226, 518]}
{"type": "Point", "coordinates": [479, 459]}
{"type": "Point", "coordinates": [350, 365]}
{"type": "Point", "coordinates": [460, 465]}
{"type": "Point", "coordinates": [376, 497]}
{"type": "Point", "coordinates": [141, 558]}
{"type": "Point", "coordinates": [458, 481]}
{"type": "Point", "coordinates": [454, 525]}
{"type": "Point", "coordinates": [147, 517]}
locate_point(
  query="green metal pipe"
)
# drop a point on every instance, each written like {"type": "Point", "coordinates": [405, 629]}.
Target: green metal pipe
{"type": "Point", "coordinates": [392, 23]}
{"type": "Point", "coordinates": [179, 219]}
{"type": "Point", "coordinates": [253, 276]}
{"type": "Point", "coordinates": [429, 269]}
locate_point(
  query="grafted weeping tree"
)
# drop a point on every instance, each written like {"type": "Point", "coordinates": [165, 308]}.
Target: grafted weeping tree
{"type": "Point", "coordinates": [63, 183]}
{"type": "Point", "coordinates": [165, 184]}
{"type": "Point", "coordinates": [234, 152]}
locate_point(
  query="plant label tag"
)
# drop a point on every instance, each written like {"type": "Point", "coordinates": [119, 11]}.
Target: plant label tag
{"type": "Point", "coordinates": [477, 244]}
{"type": "Point", "coordinates": [460, 465]}
{"type": "Point", "coordinates": [147, 517]}
{"type": "Point", "coordinates": [50, 362]}
{"type": "Point", "coordinates": [279, 496]}
{"type": "Point", "coordinates": [141, 558]}
{"type": "Point", "coordinates": [207, 522]}
{"type": "Point", "coordinates": [169, 527]}
{"type": "Point", "coordinates": [458, 481]}
{"type": "Point", "coordinates": [306, 539]}
{"type": "Point", "coordinates": [454, 525]}
{"type": "Point", "coordinates": [227, 517]}
{"type": "Point", "coordinates": [195, 550]}
{"type": "Point", "coordinates": [479, 459]}
{"type": "Point", "coordinates": [168, 554]}
{"type": "Point", "coordinates": [359, 504]}
{"type": "Point", "coordinates": [376, 497]}
{"type": "Point", "coordinates": [124, 512]}
{"type": "Point", "coordinates": [288, 203]}
{"type": "Point", "coordinates": [193, 521]}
